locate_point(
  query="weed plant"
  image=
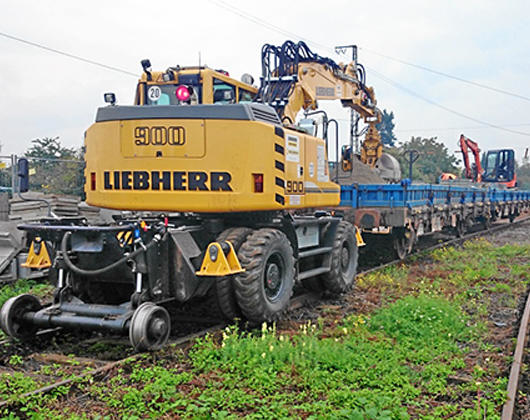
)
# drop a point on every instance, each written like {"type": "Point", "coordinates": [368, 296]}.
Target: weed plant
{"type": "Point", "coordinates": [427, 352]}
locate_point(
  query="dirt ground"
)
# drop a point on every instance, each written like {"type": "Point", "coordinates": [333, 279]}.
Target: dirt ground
{"type": "Point", "coordinates": [518, 234]}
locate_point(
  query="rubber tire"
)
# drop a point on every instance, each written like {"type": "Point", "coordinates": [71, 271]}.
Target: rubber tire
{"type": "Point", "coordinates": [224, 286]}
{"type": "Point", "coordinates": [342, 279]}
{"type": "Point", "coordinates": [249, 285]}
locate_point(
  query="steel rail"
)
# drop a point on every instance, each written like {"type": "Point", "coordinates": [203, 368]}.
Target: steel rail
{"type": "Point", "coordinates": [103, 369]}
{"type": "Point", "coordinates": [513, 381]}
{"type": "Point", "coordinates": [466, 237]}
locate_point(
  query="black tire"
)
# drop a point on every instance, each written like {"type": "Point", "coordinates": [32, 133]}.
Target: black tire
{"type": "Point", "coordinates": [224, 286]}
{"type": "Point", "coordinates": [344, 260]}
{"type": "Point", "coordinates": [263, 290]}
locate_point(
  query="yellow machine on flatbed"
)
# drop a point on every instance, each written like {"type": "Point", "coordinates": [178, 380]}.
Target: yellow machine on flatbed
{"type": "Point", "coordinates": [226, 177]}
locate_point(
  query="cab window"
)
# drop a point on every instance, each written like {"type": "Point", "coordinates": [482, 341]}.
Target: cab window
{"type": "Point", "coordinates": [167, 95]}
{"type": "Point", "coordinates": [245, 95]}
{"type": "Point", "coordinates": [223, 93]}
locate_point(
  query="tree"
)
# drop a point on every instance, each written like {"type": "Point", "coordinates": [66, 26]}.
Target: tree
{"type": "Point", "coordinates": [434, 159]}
{"type": "Point", "coordinates": [386, 129]}
{"type": "Point", "coordinates": [523, 175]}
{"type": "Point", "coordinates": [58, 169]}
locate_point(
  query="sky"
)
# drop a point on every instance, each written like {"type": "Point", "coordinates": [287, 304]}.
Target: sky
{"type": "Point", "coordinates": [487, 42]}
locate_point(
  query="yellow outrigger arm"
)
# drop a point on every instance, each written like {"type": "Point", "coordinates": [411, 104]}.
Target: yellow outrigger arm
{"type": "Point", "coordinates": [38, 256]}
{"type": "Point", "coordinates": [358, 237]}
{"type": "Point", "coordinates": [220, 259]}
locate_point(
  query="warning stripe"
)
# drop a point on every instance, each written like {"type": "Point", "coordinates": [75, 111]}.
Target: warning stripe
{"type": "Point", "coordinates": [279, 165]}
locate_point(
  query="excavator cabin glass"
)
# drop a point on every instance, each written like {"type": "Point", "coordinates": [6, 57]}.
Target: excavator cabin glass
{"type": "Point", "coordinates": [168, 94]}
{"type": "Point", "coordinates": [499, 165]}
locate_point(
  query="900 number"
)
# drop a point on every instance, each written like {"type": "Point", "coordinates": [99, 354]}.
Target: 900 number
{"type": "Point", "coordinates": [294, 187]}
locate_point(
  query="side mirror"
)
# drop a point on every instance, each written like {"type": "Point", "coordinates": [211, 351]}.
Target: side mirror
{"type": "Point", "coordinates": [23, 174]}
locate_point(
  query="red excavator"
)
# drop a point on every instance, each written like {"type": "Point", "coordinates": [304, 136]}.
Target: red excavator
{"type": "Point", "coordinates": [498, 165]}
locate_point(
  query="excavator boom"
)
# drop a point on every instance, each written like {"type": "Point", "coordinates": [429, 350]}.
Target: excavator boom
{"type": "Point", "coordinates": [295, 78]}
{"type": "Point", "coordinates": [467, 144]}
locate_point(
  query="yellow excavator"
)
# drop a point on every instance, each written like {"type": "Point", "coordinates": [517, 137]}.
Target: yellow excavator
{"type": "Point", "coordinates": [225, 181]}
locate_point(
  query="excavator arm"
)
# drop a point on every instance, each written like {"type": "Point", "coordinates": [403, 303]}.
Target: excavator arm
{"type": "Point", "coordinates": [466, 145]}
{"type": "Point", "coordinates": [294, 78]}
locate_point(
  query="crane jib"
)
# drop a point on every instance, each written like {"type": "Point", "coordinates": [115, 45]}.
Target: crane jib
{"type": "Point", "coordinates": [167, 180]}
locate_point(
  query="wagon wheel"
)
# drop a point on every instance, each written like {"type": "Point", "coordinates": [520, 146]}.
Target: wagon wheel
{"type": "Point", "coordinates": [460, 228]}
{"type": "Point", "coordinates": [403, 242]}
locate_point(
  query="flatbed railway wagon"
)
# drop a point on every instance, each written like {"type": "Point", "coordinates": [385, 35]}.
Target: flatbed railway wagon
{"type": "Point", "coordinates": [408, 211]}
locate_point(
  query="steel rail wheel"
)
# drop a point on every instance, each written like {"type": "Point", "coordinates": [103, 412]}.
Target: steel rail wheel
{"type": "Point", "coordinates": [403, 242]}
{"type": "Point", "coordinates": [11, 316]}
{"type": "Point", "coordinates": [149, 328]}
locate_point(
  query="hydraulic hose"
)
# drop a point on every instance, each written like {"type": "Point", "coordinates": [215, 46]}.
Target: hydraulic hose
{"type": "Point", "coordinates": [102, 270]}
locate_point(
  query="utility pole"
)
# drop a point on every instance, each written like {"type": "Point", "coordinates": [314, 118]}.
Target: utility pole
{"type": "Point", "coordinates": [411, 156]}
{"type": "Point", "coordinates": [354, 117]}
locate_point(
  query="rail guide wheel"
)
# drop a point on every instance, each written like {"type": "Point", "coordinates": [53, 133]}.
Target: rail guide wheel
{"type": "Point", "coordinates": [149, 327]}
{"type": "Point", "coordinates": [12, 316]}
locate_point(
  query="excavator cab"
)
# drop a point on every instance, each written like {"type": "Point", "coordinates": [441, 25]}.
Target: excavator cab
{"type": "Point", "coordinates": [499, 166]}
{"type": "Point", "coordinates": [192, 86]}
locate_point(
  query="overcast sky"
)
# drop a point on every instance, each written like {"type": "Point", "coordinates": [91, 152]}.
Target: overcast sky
{"type": "Point", "coordinates": [488, 42]}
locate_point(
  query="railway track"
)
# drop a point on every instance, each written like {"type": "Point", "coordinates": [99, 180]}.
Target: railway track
{"type": "Point", "coordinates": [82, 368]}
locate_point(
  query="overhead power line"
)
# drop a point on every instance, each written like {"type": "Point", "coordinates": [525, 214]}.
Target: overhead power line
{"type": "Point", "coordinates": [278, 29]}
{"type": "Point", "coordinates": [258, 21]}
{"type": "Point", "coordinates": [75, 57]}
{"type": "Point", "coordinates": [460, 128]}
{"type": "Point", "coordinates": [444, 74]}
{"type": "Point", "coordinates": [452, 111]}
{"type": "Point", "coordinates": [470, 127]}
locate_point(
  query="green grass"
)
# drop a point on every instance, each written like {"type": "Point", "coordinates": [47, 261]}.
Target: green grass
{"type": "Point", "coordinates": [397, 362]}
{"type": "Point", "coordinates": [24, 286]}
{"type": "Point", "coordinates": [363, 368]}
